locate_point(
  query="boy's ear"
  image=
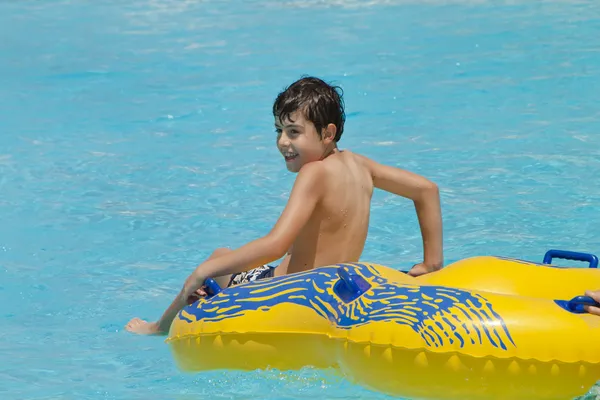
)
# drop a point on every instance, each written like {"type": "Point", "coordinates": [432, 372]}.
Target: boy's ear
{"type": "Point", "coordinates": [329, 133]}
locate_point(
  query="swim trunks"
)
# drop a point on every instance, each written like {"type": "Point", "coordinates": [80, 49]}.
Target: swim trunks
{"type": "Point", "coordinates": [265, 271]}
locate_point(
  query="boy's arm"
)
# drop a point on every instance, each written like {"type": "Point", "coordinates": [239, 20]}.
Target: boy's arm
{"type": "Point", "coordinates": [425, 195]}
{"type": "Point", "coordinates": [304, 197]}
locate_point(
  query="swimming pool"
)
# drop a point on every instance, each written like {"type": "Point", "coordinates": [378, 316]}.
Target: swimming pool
{"type": "Point", "coordinates": [137, 138]}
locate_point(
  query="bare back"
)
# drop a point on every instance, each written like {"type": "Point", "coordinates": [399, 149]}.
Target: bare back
{"type": "Point", "coordinates": [337, 229]}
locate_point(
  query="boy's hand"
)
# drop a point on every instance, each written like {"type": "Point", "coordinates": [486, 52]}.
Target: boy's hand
{"type": "Point", "coordinates": [198, 294]}
{"type": "Point", "coordinates": [596, 296]}
{"type": "Point", "coordinates": [193, 288]}
{"type": "Point", "coordinates": [422, 269]}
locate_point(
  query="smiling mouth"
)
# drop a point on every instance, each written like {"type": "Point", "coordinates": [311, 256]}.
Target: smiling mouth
{"type": "Point", "coordinates": [290, 156]}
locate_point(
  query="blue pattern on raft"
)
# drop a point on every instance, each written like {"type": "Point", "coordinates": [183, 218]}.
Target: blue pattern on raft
{"type": "Point", "coordinates": [440, 315]}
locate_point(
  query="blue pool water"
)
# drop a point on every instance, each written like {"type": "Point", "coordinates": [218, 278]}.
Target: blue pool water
{"type": "Point", "coordinates": [135, 138]}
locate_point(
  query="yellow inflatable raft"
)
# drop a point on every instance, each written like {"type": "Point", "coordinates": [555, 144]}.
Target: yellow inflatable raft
{"type": "Point", "coordinates": [482, 328]}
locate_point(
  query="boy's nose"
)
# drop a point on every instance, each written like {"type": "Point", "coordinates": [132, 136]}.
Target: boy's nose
{"type": "Point", "coordinates": [283, 140]}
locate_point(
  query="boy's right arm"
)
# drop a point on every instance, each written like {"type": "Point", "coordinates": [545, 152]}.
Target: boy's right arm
{"type": "Point", "coordinates": [425, 195]}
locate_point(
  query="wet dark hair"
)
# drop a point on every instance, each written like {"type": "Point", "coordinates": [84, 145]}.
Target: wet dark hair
{"type": "Point", "coordinates": [321, 103]}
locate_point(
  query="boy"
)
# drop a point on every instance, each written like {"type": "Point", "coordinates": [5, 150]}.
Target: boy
{"type": "Point", "coordinates": [327, 215]}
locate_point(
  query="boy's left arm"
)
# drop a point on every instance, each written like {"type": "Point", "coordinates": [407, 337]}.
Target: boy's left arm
{"type": "Point", "coordinates": [304, 197]}
{"type": "Point", "coordinates": [426, 197]}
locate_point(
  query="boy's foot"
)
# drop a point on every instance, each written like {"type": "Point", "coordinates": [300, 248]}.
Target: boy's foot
{"type": "Point", "coordinates": [141, 327]}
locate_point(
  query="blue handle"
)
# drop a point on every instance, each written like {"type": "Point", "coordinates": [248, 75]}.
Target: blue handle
{"type": "Point", "coordinates": [350, 287]}
{"type": "Point", "coordinates": [348, 280]}
{"type": "Point", "coordinates": [571, 255]}
{"type": "Point", "coordinates": [212, 286]}
{"type": "Point", "coordinates": [575, 305]}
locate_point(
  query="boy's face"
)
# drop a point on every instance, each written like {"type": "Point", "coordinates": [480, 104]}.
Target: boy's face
{"type": "Point", "coordinates": [299, 142]}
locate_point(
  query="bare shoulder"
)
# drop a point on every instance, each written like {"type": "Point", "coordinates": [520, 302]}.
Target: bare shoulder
{"type": "Point", "coordinates": [313, 170]}
{"type": "Point", "coordinates": [367, 163]}
{"type": "Point", "coordinates": [311, 176]}
{"type": "Point", "coordinates": [347, 162]}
